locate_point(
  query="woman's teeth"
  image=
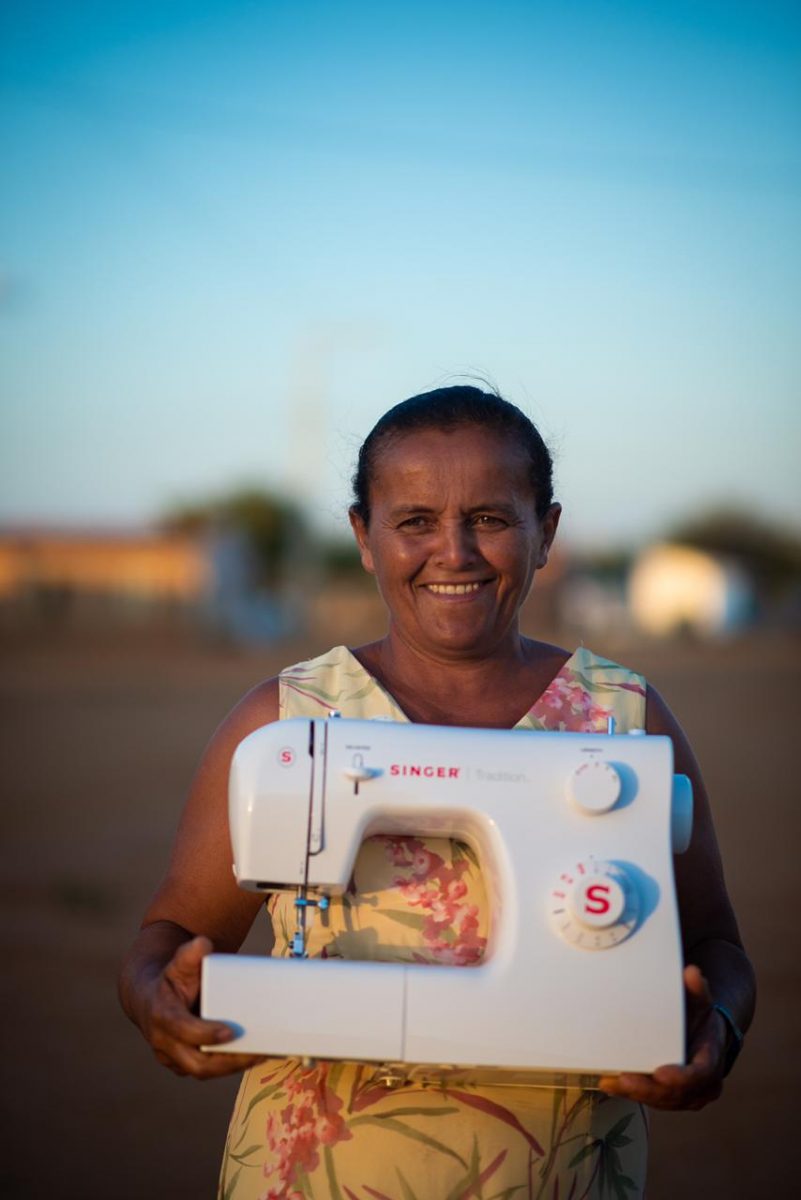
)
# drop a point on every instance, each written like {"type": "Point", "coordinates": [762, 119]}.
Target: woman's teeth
{"type": "Point", "coordinates": [452, 589]}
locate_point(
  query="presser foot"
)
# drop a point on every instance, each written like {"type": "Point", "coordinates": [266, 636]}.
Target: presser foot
{"type": "Point", "coordinates": [302, 902]}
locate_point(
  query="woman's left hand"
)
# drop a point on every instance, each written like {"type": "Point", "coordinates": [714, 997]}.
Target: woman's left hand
{"type": "Point", "coordinates": [701, 1080]}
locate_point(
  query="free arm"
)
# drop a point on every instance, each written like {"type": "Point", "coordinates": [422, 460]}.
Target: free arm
{"type": "Point", "coordinates": [197, 908]}
{"type": "Point", "coordinates": [718, 969]}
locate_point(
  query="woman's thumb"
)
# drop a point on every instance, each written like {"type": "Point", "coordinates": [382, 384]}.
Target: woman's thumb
{"type": "Point", "coordinates": [184, 970]}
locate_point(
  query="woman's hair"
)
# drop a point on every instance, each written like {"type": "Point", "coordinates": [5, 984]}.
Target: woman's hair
{"type": "Point", "coordinates": [449, 408]}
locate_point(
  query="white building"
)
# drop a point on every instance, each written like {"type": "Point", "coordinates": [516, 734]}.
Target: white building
{"type": "Point", "coordinates": [674, 588]}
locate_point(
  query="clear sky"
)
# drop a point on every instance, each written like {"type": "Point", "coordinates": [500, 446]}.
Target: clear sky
{"type": "Point", "coordinates": [232, 234]}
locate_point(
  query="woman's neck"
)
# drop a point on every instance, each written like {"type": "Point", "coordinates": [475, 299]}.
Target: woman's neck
{"type": "Point", "coordinates": [494, 692]}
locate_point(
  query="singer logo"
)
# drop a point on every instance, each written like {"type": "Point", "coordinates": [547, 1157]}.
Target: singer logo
{"type": "Point", "coordinates": [424, 770]}
{"type": "Point", "coordinates": [597, 899]}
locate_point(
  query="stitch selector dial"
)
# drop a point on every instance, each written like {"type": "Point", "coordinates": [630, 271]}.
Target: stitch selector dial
{"type": "Point", "coordinates": [594, 905]}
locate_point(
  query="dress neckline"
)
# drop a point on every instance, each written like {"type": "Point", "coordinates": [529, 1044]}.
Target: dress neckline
{"type": "Point", "coordinates": [532, 712]}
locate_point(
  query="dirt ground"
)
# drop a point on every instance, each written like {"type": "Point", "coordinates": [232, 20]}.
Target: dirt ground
{"type": "Point", "coordinates": [98, 746]}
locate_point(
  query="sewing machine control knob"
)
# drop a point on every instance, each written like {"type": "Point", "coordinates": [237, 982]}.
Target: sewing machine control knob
{"type": "Point", "coordinates": [594, 787]}
{"type": "Point", "coordinates": [595, 905]}
{"type": "Point", "coordinates": [597, 900]}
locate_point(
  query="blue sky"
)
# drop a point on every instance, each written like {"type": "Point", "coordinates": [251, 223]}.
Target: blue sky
{"type": "Point", "coordinates": [232, 234]}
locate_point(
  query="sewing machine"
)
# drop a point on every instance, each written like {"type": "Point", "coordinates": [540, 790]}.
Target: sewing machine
{"type": "Point", "coordinates": [574, 833]}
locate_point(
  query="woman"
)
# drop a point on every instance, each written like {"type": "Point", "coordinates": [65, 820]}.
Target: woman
{"type": "Point", "coordinates": [453, 514]}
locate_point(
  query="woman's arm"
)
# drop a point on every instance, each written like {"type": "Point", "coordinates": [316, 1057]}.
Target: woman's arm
{"type": "Point", "coordinates": [718, 970]}
{"type": "Point", "coordinates": [198, 908]}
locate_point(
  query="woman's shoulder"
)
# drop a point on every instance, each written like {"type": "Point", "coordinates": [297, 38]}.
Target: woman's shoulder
{"type": "Point", "coordinates": [583, 664]}
{"type": "Point", "coordinates": [584, 659]}
{"type": "Point", "coordinates": [320, 678]}
{"type": "Point", "coordinates": [604, 675]}
{"type": "Point", "coordinates": [311, 685]}
{"type": "Point", "coordinates": [259, 706]}
{"type": "Point", "coordinates": [333, 681]}
{"type": "Point", "coordinates": [587, 691]}
{"type": "Point", "coordinates": [338, 658]}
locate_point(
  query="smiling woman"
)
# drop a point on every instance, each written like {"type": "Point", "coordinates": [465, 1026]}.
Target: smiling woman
{"type": "Point", "coordinates": [454, 515]}
{"type": "Point", "coordinates": [453, 540]}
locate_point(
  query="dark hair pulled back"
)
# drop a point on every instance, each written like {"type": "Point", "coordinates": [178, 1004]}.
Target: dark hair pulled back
{"type": "Point", "coordinates": [448, 408]}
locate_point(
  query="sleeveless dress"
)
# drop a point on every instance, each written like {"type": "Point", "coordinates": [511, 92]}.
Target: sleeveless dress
{"type": "Point", "coordinates": [332, 1132]}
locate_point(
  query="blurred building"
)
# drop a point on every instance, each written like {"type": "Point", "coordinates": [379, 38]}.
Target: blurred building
{"type": "Point", "coordinates": [674, 588]}
{"type": "Point", "coordinates": [88, 579]}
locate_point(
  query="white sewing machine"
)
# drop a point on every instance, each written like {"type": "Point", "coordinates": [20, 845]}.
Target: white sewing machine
{"type": "Point", "coordinates": [574, 833]}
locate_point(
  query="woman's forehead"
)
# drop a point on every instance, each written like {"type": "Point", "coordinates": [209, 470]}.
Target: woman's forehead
{"type": "Point", "coordinates": [423, 447]}
{"type": "Point", "coordinates": [468, 458]}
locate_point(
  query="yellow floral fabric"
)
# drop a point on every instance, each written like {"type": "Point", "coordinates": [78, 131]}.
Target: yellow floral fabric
{"type": "Point", "coordinates": [331, 1131]}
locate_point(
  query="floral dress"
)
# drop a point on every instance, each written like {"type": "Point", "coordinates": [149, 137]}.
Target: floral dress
{"type": "Point", "coordinates": [332, 1131]}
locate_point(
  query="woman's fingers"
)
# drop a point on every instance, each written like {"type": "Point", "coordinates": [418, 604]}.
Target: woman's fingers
{"type": "Point", "coordinates": [695, 984]}
{"type": "Point", "coordinates": [176, 1038]}
{"type": "Point", "coordinates": [184, 1060]}
{"type": "Point", "coordinates": [171, 1020]}
{"type": "Point", "coordinates": [183, 970]}
{"type": "Point", "coordinates": [677, 1086]}
{"type": "Point", "coordinates": [175, 1032]}
{"type": "Point", "coordinates": [670, 1087]}
{"type": "Point", "coordinates": [170, 1023]}
{"type": "Point", "coordinates": [698, 999]}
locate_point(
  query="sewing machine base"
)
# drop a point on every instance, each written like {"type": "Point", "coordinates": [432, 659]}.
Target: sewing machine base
{"type": "Point", "coordinates": [304, 1008]}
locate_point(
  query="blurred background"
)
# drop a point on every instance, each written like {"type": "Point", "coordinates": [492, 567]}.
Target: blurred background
{"type": "Point", "coordinates": [232, 234]}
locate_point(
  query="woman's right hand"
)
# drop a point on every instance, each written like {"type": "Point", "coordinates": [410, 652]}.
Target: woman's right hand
{"type": "Point", "coordinates": [160, 977]}
{"type": "Point", "coordinates": [165, 1016]}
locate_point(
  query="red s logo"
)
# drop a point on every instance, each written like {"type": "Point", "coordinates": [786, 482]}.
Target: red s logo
{"type": "Point", "coordinates": [596, 901]}
{"type": "Point", "coordinates": [286, 757]}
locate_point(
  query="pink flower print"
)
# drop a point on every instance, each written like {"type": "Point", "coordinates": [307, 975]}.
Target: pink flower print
{"type": "Point", "coordinates": [414, 894]}
{"type": "Point", "coordinates": [469, 946]}
{"type": "Point", "coordinates": [442, 913]}
{"type": "Point", "coordinates": [331, 1129]}
{"type": "Point", "coordinates": [302, 1115]}
{"type": "Point", "coordinates": [424, 863]}
{"type": "Point", "coordinates": [457, 889]}
{"type": "Point", "coordinates": [466, 921]}
{"type": "Point", "coordinates": [427, 882]}
{"type": "Point", "coordinates": [312, 1118]}
{"type": "Point", "coordinates": [569, 705]}
{"type": "Point", "coordinates": [397, 852]}
{"type": "Point", "coordinates": [412, 854]}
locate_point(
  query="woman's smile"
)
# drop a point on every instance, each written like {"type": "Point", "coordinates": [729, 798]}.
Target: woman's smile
{"type": "Point", "coordinates": [454, 590]}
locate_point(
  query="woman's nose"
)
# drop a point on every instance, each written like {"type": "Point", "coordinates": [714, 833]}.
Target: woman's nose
{"type": "Point", "coordinates": [457, 546]}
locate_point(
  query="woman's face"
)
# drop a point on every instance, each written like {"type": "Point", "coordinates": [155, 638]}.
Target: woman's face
{"type": "Point", "coordinates": [454, 538]}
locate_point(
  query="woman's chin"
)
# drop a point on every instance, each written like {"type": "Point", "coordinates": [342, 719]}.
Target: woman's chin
{"type": "Point", "coordinates": [453, 638]}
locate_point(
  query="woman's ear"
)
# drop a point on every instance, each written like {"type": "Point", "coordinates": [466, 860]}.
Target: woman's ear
{"type": "Point", "coordinates": [548, 525]}
{"type": "Point", "coordinates": [362, 539]}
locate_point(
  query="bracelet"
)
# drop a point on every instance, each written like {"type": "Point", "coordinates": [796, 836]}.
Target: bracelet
{"type": "Point", "coordinates": [734, 1040]}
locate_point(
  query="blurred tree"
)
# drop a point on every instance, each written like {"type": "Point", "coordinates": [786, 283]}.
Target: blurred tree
{"type": "Point", "coordinates": [341, 560]}
{"type": "Point", "coordinates": [274, 527]}
{"type": "Point", "coordinates": [771, 555]}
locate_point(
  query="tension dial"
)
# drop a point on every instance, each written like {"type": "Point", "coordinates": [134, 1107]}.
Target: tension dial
{"type": "Point", "coordinates": [594, 787]}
